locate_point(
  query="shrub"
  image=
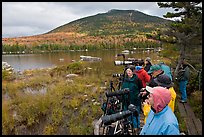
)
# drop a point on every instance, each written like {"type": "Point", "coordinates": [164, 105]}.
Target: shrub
{"type": "Point", "coordinates": [7, 75]}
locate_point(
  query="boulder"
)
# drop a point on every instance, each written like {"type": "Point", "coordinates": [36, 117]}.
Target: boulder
{"type": "Point", "coordinates": [71, 75]}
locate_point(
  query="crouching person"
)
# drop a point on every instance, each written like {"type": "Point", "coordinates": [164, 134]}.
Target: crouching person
{"type": "Point", "coordinates": [161, 120]}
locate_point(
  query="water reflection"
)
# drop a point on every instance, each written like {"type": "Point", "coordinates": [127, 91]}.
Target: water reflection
{"type": "Point", "coordinates": [33, 61]}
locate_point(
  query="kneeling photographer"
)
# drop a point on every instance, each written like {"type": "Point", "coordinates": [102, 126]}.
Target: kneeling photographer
{"type": "Point", "coordinates": [134, 84]}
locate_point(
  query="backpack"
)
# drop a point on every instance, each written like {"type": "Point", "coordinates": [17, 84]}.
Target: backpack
{"type": "Point", "coordinates": [139, 83]}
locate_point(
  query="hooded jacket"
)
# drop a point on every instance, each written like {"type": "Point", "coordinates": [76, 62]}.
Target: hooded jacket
{"type": "Point", "coordinates": [143, 76]}
{"type": "Point", "coordinates": [162, 123]}
{"type": "Point", "coordinates": [161, 119]}
{"type": "Point", "coordinates": [147, 107]}
{"type": "Point", "coordinates": [166, 70]}
{"type": "Point", "coordinates": [147, 66]}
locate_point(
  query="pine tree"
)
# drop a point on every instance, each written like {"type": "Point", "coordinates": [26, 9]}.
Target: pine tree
{"type": "Point", "coordinates": [188, 29]}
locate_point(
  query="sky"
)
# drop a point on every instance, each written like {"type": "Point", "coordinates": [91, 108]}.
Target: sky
{"type": "Point", "coordinates": [33, 18]}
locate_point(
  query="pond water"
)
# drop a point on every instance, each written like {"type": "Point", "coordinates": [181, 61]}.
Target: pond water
{"type": "Point", "coordinates": [23, 62]}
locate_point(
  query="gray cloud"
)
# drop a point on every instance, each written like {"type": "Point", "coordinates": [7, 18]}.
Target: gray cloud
{"type": "Point", "coordinates": [32, 18]}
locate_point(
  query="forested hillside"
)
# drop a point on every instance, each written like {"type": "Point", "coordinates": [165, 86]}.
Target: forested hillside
{"type": "Point", "coordinates": [111, 30]}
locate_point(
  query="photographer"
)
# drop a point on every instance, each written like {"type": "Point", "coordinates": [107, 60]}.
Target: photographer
{"type": "Point", "coordinates": [141, 73]}
{"type": "Point", "coordinates": [183, 78]}
{"type": "Point", "coordinates": [148, 64]}
{"type": "Point", "coordinates": [134, 84]}
{"type": "Point", "coordinates": [166, 69]}
{"type": "Point", "coordinates": [161, 120]}
{"type": "Point", "coordinates": [154, 72]}
{"type": "Point", "coordinates": [163, 81]}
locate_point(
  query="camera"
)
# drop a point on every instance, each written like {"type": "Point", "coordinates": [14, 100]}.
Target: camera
{"type": "Point", "coordinates": [112, 106]}
{"type": "Point", "coordinates": [126, 62]}
{"type": "Point", "coordinates": [109, 119]}
{"type": "Point", "coordinates": [143, 98]}
{"type": "Point", "coordinates": [118, 75]}
{"type": "Point", "coordinates": [118, 92]}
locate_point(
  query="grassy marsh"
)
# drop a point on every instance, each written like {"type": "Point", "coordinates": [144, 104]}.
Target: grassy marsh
{"type": "Point", "coordinates": [67, 104]}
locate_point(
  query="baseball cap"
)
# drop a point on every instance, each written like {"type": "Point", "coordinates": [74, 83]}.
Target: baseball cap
{"type": "Point", "coordinates": [154, 68]}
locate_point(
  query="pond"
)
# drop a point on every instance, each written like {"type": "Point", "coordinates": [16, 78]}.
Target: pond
{"type": "Point", "coordinates": [23, 62]}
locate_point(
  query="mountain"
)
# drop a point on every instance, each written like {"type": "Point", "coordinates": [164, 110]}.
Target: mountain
{"type": "Point", "coordinates": [118, 28]}
{"type": "Point", "coordinates": [113, 22]}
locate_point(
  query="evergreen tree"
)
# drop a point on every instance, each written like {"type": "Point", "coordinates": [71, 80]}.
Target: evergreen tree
{"type": "Point", "coordinates": [188, 29]}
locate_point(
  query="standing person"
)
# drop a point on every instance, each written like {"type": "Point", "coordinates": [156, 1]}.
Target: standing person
{"type": "Point", "coordinates": [163, 81]}
{"type": "Point", "coordinates": [148, 64]}
{"type": "Point", "coordinates": [134, 84]}
{"type": "Point", "coordinates": [161, 120]}
{"type": "Point", "coordinates": [183, 77]}
{"type": "Point", "coordinates": [154, 72]}
{"type": "Point", "coordinates": [166, 69]}
{"type": "Point", "coordinates": [142, 74]}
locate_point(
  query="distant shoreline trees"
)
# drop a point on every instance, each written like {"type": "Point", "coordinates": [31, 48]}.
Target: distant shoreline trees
{"type": "Point", "coordinates": [18, 49]}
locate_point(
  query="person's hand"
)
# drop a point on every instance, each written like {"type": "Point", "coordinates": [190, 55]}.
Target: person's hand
{"type": "Point", "coordinates": [143, 92]}
{"type": "Point", "coordinates": [147, 101]}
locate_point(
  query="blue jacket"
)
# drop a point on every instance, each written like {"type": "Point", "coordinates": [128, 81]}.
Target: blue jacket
{"type": "Point", "coordinates": [162, 123]}
{"type": "Point", "coordinates": [166, 70]}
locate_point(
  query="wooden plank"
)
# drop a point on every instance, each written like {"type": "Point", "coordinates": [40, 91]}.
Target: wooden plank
{"type": "Point", "coordinates": [199, 126]}
{"type": "Point", "coordinates": [191, 127]}
{"type": "Point", "coordinates": [182, 110]}
{"type": "Point", "coordinates": [187, 126]}
{"type": "Point", "coordinates": [190, 113]}
{"type": "Point", "coordinates": [189, 118]}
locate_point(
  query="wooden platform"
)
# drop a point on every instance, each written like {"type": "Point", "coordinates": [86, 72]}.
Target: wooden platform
{"type": "Point", "coordinates": [193, 124]}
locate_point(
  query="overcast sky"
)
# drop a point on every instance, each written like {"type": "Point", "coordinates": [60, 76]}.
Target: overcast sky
{"type": "Point", "coordinates": [32, 18]}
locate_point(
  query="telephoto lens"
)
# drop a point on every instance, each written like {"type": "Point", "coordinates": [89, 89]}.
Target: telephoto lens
{"type": "Point", "coordinates": [109, 119]}
{"type": "Point", "coordinates": [118, 63]}
{"type": "Point", "coordinates": [118, 92]}
{"type": "Point", "coordinates": [133, 109]}
{"type": "Point", "coordinates": [117, 75]}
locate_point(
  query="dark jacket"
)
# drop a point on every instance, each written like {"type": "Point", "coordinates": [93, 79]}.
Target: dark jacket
{"type": "Point", "coordinates": [147, 67]}
{"type": "Point", "coordinates": [134, 84]}
{"type": "Point", "coordinates": [152, 83]}
{"type": "Point", "coordinates": [183, 74]}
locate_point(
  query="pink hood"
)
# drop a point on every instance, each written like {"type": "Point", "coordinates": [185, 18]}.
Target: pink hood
{"type": "Point", "coordinates": [161, 97]}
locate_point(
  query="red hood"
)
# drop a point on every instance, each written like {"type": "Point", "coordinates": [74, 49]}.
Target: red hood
{"type": "Point", "coordinates": [161, 97]}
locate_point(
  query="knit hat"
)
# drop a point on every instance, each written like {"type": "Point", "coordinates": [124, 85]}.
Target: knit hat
{"type": "Point", "coordinates": [138, 68]}
{"type": "Point", "coordinates": [148, 59]}
{"type": "Point", "coordinates": [161, 97]}
{"type": "Point", "coordinates": [154, 68]}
